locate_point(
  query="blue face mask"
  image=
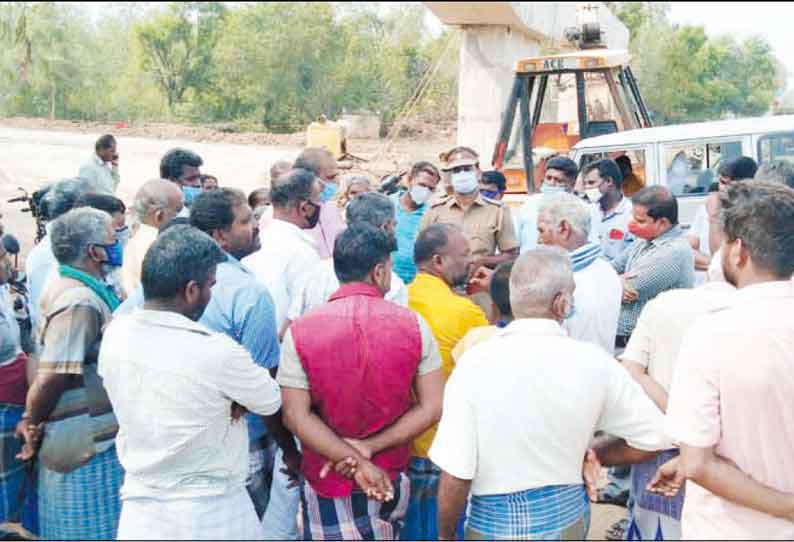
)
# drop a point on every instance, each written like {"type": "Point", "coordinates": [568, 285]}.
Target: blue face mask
{"type": "Point", "coordinates": [552, 189]}
{"type": "Point", "coordinates": [490, 194]}
{"type": "Point", "coordinates": [115, 253]}
{"type": "Point", "coordinates": [189, 193]}
{"type": "Point", "coordinates": [329, 191]}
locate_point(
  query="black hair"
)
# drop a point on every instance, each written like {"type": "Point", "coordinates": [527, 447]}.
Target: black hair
{"type": "Point", "coordinates": [566, 165]}
{"type": "Point", "coordinates": [292, 188]}
{"type": "Point", "coordinates": [659, 201]}
{"type": "Point", "coordinates": [103, 202]}
{"type": "Point", "coordinates": [252, 197]}
{"type": "Point", "coordinates": [359, 249]}
{"type": "Point", "coordinates": [173, 162]}
{"type": "Point", "coordinates": [495, 177]}
{"type": "Point", "coordinates": [372, 208]}
{"type": "Point", "coordinates": [431, 241]}
{"type": "Point", "coordinates": [500, 287]}
{"type": "Point", "coordinates": [104, 142]}
{"type": "Point", "coordinates": [214, 210]}
{"type": "Point", "coordinates": [607, 168]}
{"type": "Point", "coordinates": [424, 167]}
{"type": "Point", "coordinates": [742, 167]}
{"type": "Point", "coordinates": [179, 255]}
{"type": "Point", "coordinates": [761, 213]}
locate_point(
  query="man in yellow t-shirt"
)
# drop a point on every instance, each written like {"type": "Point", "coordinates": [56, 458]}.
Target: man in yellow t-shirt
{"type": "Point", "coordinates": [443, 257]}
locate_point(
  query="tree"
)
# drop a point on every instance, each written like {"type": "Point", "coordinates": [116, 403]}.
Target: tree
{"type": "Point", "coordinates": [175, 50]}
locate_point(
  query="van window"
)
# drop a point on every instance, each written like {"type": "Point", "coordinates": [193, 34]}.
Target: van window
{"type": "Point", "coordinates": [776, 147]}
{"type": "Point", "coordinates": [632, 163]}
{"type": "Point", "coordinates": [691, 169]}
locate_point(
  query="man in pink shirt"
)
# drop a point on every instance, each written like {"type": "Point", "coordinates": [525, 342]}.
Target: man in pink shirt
{"type": "Point", "coordinates": [731, 405]}
{"type": "Point", "coordinates": [323, 164]}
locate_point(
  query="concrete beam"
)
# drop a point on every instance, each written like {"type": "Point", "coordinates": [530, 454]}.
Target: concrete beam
{"type": "Point", "coordinates": [495, 36]}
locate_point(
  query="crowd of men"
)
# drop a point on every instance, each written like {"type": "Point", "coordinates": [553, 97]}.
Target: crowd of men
{"type": "Point", "coordinates": [319, 361]}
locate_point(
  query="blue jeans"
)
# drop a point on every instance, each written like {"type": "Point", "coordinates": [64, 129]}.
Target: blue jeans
{"type": "Point", "coordinates": [280, 521]}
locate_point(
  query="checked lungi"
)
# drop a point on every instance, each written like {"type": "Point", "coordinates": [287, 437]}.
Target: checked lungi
{"type": "Point", "coordinates": [355, 517]}
{"type": "Point", "coordinates": [654, 517]}
{"type": "Point", "coordinates": [12, 471]}
{"type": "Point", "coordinates": [83, 504]}
{"type": "Point", "coordinates": [421, 520]}
{"type": "Point", "coordinates": [546, 513]}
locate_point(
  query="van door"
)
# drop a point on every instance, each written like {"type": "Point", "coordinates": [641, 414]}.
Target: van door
{"type": "Point", "coordinates": [689, 170]}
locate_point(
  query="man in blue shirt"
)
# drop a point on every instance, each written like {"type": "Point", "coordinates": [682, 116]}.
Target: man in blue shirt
{"type": "Point", "coordinates": [241, 307]}
{"type": "Point", "coordinates": [410, 207]}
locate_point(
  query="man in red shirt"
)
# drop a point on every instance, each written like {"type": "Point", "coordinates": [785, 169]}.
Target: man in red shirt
{"type": "Point", "coordinates": [360, 379]}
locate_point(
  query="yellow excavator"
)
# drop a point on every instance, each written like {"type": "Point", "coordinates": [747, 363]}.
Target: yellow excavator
{"type": "Point", "coordinates": [594, 92]}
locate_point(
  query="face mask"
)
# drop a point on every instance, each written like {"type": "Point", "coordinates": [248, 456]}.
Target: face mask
{"type": "Point", "coordinates": [594, 195]}
{"type": "Point", "coordinates": [490, 194]}
{"type": "Point", "coordinates": [315, 217]}
{"type": "Point", "coordinates": [115, 254]}
{"type": "Point", "coordinates": [464, 182]}
{"type": "Point", "coordinates": [420, 194]}
{"type": "Point", "coordinates": [643, 232]}
{"type": "Point", "coordinates": [189, 193]}
{"type": "Point", "coordinates": [552, 189]}
{"type": "Point", "coordinates": [329, 191]}
{"type": "Point", "coordinates": [123, 235]}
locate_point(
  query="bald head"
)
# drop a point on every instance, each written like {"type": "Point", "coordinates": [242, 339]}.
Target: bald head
{"type": "Point", "coordinates": [541, 284]}
{"type": "Point", "coordinates": [157, 202]}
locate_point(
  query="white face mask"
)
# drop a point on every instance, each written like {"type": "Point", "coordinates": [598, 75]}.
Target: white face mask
{"type": "Point", "coordinates": [593, 194]}
{"type": "Point", "coordinates": [420, 194]}
{"type": "Point", "coordinates": [465, 182]}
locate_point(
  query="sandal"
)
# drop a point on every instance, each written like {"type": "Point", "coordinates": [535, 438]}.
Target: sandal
{"type": "Point", "coordinates": [618, 530]}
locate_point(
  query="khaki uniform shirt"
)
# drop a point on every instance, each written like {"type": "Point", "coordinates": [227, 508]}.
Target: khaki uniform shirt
{"type": "Point", "coordinates": [486, 223]}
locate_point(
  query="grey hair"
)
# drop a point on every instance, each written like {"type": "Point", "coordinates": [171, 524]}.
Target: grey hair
{"type": "Point", "coordinates": [151, 196]}
{"type": "Point", "coordinates": [288, 190]}
{"type": "Point", "coordinates": [537, 277]}
{"type": "Point", "coordinates": [179, 255]}
{"type": "Point", "coordinates": [62, 196]}
{"type": "Point", "coordinates": [73, 232]}
{"type": "Point", "coordinates": [567, 207]}
{"type": "Point", "coordinates": [373, 208]}
{"type": "Point", "coordinates": [780, 171]}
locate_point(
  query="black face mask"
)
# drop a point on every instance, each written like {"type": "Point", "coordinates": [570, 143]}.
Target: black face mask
{"type": "Point", "coordinates": [315, 217]}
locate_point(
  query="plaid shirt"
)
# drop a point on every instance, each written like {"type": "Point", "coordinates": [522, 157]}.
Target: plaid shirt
{"type": "Point", "coordinates": [661, 264]}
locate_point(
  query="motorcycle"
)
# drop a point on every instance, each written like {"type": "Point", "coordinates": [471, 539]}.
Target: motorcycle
{"type": "Point", "coordinates": [20, 299]}
{"type": "Point", "coordinates": [36, 207]}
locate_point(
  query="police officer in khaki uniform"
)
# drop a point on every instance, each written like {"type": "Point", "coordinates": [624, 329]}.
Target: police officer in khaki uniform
{"type": "Point", "coordinates": [486, 222]}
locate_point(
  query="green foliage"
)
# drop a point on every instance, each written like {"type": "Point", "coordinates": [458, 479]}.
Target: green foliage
{"type": "Point", "coordinates": [279, 65]}
{"type": "Point", "coordinates": [686, 76]}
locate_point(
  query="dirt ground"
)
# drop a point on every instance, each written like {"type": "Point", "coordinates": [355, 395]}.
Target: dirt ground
{"type": "Point", "coordinates": [33, 151]}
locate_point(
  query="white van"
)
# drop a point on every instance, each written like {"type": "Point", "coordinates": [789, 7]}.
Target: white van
{"type": "Point", "coordinates": [685, 157]}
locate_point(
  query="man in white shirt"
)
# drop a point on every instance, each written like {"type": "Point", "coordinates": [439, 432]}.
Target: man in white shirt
{"type": "Point", "coordinates": [288, 255]}
{"type": "Point", "coordinates": [376, 210]}
{"type": "Point", "coordinates": [611, 210]}
{"type": "Point", "coordinates": [101, 172]}
{"type": "Point", "coordinates": [520, 411]}
{"type": "Point", "coordinates": [703, 241]}
{"type": "Point", "coordinates": [731, 404]}
{"type": "Point", "coordinates": [650, 357]}
{"type": "Point", "coordinates": [156, 203]}
{"type": "Point", "coordinates": [40, 263]}
{"type": "Point", "coordinates": [564, 221]}
{"type": "Point", "coordinates": [178, 391]}
{"type": "Point", "coordinates": [560, 177]}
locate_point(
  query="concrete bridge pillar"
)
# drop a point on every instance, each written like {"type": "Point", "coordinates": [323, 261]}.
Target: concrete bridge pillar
{"type": "Point", "coordinates": [495, 36]}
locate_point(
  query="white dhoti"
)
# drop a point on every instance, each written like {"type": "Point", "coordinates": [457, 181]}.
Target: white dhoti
{"type": "Point", "coordinates": [224, 517]}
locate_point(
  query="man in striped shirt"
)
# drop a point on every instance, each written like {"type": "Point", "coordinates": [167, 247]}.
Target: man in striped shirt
{"type": "Point", "coordinates": [659, 260]}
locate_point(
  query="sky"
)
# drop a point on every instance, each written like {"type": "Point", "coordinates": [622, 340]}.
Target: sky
{"type": "Point", "coordinates": [739, 19]}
